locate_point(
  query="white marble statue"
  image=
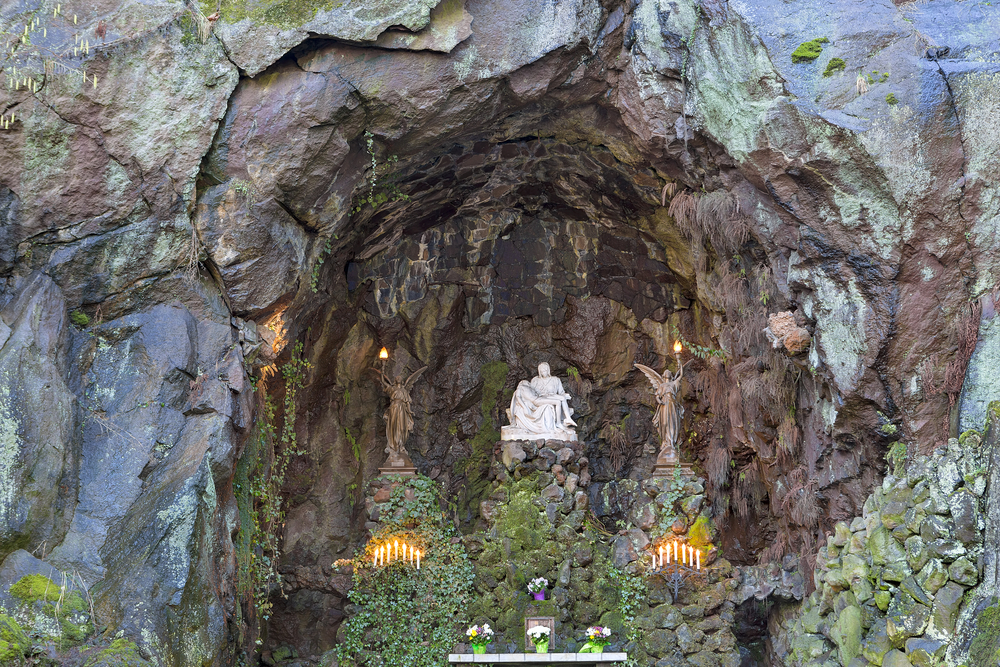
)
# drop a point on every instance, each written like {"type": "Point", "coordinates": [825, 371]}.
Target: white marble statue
{"type": "Point", "coordinates": [539, 410]}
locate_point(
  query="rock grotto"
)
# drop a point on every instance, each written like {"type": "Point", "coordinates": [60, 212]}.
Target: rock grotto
{"type": "Point", "coordinates": [227, 227]}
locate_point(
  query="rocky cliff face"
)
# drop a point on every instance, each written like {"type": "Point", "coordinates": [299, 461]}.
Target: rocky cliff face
{"type": "Point", "coordinates": [478, 186]}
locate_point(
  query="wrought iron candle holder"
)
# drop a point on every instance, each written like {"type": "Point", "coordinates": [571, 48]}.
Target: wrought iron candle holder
{"type": "Point", "coordinates": [682, 562]}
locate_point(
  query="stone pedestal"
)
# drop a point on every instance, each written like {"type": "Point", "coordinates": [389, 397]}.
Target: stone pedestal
{"type": "Point", "coordinates": [667, 462]}
{"type": "Point", "coordinates": [398, 465]}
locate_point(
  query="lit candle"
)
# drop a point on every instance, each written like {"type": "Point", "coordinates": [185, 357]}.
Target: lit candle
{"type": "Point", "coordinates": [661, 555]}
{"type": "Point", "coordinates": [418, 560]}
{"type": "Point", "coordinates": [396, 545]}
{"type": "Point", "coordinates": [404, 550]}
{"type": "Point", "coordinates": [374, 559]}
{"type": "Point", "coordinates": [697, 555]}
{"type": "Point", "coordinates": [675, 551]}
{"type": "Point", "coordinates": [684, 554]}
{"type": "Point", "coordinates": [668, 554]}
{"type": "Point", "coordinates": [380, 562]}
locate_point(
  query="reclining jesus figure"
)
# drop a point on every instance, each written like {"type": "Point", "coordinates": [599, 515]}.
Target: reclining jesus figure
{"type": "Point", "coordinates": [539, 410]}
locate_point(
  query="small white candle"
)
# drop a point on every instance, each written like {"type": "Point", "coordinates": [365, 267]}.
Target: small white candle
{"type": "Point", "coordinates": [374, 559]}
{"type": "Point", "coordinates": [661, 555]}
{"type": "Point", "coordinates": [418, 560]}
{"type": "Point", "coordinates": [396, 543]}
{"type": "Point", "coordinates": [675, 551]}
{"type": "Point", "coordinates": [668, 554]}
{"type": "Point", "coordinates": [684, 554]}
{"type": "Point", "coordinates": [697, 555]}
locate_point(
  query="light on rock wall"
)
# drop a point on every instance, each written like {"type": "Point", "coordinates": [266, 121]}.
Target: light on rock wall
{"type": "Point", "coordinates": [383, 354]}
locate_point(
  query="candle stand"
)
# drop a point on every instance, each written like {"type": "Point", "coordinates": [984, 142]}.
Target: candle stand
{"type": "Point", "coordinates": [676, 573]}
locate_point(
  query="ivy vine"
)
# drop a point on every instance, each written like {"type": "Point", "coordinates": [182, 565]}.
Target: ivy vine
{"type": "Point", "coordinates": [260, 475]}
{"type": "Point", "coordinates": [408, 617]}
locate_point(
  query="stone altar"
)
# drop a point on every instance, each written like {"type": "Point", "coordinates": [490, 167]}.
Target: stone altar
{"type": "Point", "coordinates": [539, 410]}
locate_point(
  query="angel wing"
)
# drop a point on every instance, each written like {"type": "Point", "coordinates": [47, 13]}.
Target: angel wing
{"type": "Point", "coordinates": [653, 376]}
{"type": "Point", "coordinates": [413, 378]}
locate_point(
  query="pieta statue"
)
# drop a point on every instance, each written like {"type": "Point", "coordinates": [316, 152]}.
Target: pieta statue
{"type": "Point", "coordinates": [539, 410]}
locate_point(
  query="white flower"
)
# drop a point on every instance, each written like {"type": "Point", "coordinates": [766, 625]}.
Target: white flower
{"type": "Point", "coordinates": [538, 631]}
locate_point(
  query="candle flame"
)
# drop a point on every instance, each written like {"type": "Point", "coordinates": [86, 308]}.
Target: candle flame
{"type": "Point", "coordinates": [678, 347]}
{"type": "Point", "coordinates": [383, 353]}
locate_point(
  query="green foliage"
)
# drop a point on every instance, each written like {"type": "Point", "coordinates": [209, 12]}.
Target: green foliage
{"type": "Point", "coordinates": [835, 65]}
{"type": "Point", "coordinates": [259, 478]}
{"type": "Point", "coordinates": [895, 456]}
{"type": "Point", "coordinates": [408, 617]}
{"type": "Point", "coordinates": [631, 596]}
{"type": "Point", "coordinates": [890, 99]}
{"type": "Point", "coordinates": [246, 191]}
{"type": "Point", "coordinates": [320, 259]}
{"type": "Point", "coordinates": [809, 51]}
{"type": "Point", "coordinates": [701, 351]}
{"type": "Point", "coordinates": [79, 318]}
{"type": "Point", "coordinates": [355, 447]}
{"type": "Point", "coordinates": [674, 492]}
{"type": "Point", "coordinates": [56, 611]}
{"type": "Point", "coordinates": [985, 647]}
{"type": "Point", "coordinates": [382, 180]}
{"type": "Point", "coordinates": [574, 373]}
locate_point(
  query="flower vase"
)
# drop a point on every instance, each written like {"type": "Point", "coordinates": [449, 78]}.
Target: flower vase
{"type": "Point", "coordinates": [542, 647]}
{"type": "Point", "coordinates": [479, 649]}
{"type": "Point", "coordinates": [591, 647]}
{"type": "Point", "coordinates": [540, 595]}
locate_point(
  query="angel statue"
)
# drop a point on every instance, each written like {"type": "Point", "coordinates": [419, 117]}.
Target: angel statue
{"type": "Point", "coordinates": [398, 418]}
{"type": "Point", "coordinates": [667, 418]}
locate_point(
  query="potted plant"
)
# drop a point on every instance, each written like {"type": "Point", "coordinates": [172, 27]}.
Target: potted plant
{"type": "Point", "coordinates": [597, 639]}
{"type": "Point", "coordinates": [537, 587]}
{"type": "Point", "coordinates": [539, 635]}
{"type": "Point", "coordinates": [479, 636]}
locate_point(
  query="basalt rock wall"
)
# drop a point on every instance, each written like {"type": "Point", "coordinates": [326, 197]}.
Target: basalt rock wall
{"type": "Point", "coordinates": [479, 186]}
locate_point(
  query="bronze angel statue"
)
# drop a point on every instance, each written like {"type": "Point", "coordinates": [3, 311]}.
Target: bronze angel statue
{"type": "Point", "coordinates": [667, 418]}
{"type": "Point", "coordinates": [399, 417]}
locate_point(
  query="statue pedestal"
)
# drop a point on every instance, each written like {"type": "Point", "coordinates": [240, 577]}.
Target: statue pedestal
{"type": "Point", "coordinates": [514, 433]}
{"type": "Point", "coordinates": [398, 465]}
{"type": "Point", "coordinates": [667, 462]}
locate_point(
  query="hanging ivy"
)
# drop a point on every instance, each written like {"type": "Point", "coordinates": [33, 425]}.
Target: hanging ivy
{"type": "Point", "coordinates": [409, 617]}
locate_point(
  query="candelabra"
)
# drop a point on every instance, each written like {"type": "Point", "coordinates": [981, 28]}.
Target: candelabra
{"type": "Point", "coordinates": [676, 570]}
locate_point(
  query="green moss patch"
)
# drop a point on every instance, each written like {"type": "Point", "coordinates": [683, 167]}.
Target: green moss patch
{"type": "Point", "coordinates": [79, 318]}
{"type": "Point", "coordinates": [13, 641]}
{"type": "Point", "coordinates": [835, 65]}
{"type": "Point", "coordinates": [809, 51]}
{"type": "Point", "coordinates": [121, 653]}
{"type": "Point", "coordinates": [280, 13]}
{"type": "Point", "coordinates": [891, 100]}
{"type": "Point", "coordinates": [34, 588]}
{"type": "Point", "coordinates": [700, 534]}
{"type": "Point", "coordinates": [985, 647]}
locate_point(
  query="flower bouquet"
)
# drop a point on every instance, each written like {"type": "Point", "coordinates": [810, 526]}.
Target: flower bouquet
{"type": "Point", "coordinates": [539, 635]}
{"type": "Point", "coordinates": [597, 639]}
{"type": "Point", "coordinates": [479, 636]}
{"type": "Point", "coordinates": [537, 587]}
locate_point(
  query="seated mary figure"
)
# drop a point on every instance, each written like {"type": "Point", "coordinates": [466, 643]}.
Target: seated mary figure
{"type": "Point", "coordinates": [539, 410]}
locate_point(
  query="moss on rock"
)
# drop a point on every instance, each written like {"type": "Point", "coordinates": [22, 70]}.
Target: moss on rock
{"type": "Point", "coordinates": [35, 588]}
{"type": "Point", "coordinates": [985, 647]}
{"type": "Point", "coordinates": [14, 642]}
{"type": "Point", "coordinates": [279, 13]}
{"type": "Point", "coordinates": [809, 51]}
{"type": "Point", "coordinates": [121, 653]}
{"type": "Point", "coordinates": [835, 65]}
